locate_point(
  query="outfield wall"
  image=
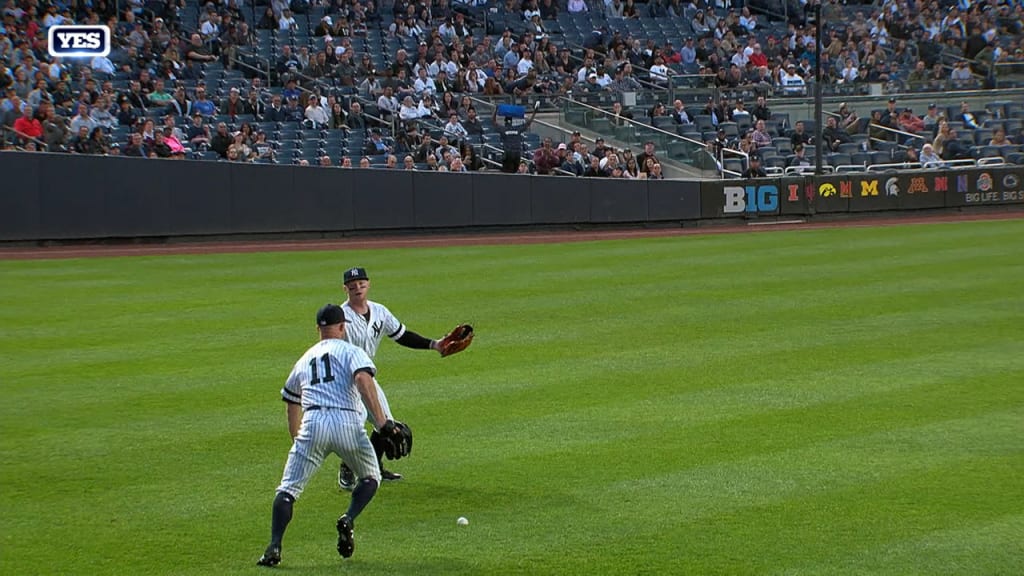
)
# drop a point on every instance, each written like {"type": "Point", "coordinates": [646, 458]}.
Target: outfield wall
{"type": "Point", "coordinates": [69, 197]}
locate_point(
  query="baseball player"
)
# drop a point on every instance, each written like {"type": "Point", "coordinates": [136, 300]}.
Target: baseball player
{"type": "Point", "coordinates": [328, 392]}
{"type": "Point", "coordinates": [368, 323]}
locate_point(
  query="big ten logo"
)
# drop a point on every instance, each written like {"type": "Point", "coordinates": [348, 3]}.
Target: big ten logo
{"type": "Point", "coordinates": [78, 41]}
{"type": "Point", "coordinates": [751, 199]}
{"type": "Point", "coordinates": [829, 190]}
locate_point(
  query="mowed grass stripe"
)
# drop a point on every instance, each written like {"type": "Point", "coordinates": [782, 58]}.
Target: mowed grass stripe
{"type": "Point", "coordinates": [731, 404]}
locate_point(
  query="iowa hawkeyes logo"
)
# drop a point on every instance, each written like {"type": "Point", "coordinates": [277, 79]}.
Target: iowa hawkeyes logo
{"type": "Point", "coordinates": [827, 190]}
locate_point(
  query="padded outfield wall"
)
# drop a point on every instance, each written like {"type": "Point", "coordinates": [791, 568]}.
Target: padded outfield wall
{"type": "Point", "coordinates": [69, 197]}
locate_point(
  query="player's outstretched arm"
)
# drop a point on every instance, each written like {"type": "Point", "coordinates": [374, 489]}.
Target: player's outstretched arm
{"type": "Point", "coordinates": [410, 339]}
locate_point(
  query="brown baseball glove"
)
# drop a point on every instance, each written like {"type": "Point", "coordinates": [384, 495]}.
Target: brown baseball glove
{"type": "Point", "coordinates": [456, 341]}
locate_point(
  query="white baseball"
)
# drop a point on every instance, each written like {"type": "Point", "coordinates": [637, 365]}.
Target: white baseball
{"type": "Point", "coordinates": [462, 521]}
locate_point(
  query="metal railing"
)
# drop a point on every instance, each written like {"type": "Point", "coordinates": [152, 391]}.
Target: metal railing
{"type": "Point", "coordinates": [581, 114]}
{"type": "Point", "coordinates": [40, 145]}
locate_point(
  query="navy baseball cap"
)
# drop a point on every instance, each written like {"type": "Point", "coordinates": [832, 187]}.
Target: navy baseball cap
{"type": "Point", "coordinates": [329, 315]}
{"type": "Point", "coordinates": [355, 274]}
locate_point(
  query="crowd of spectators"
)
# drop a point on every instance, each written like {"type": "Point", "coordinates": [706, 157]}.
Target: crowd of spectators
{"type": "Point", "coordinates": [401, 84]}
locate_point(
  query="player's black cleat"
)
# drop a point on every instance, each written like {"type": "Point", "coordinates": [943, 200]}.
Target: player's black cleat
{"type": "Point", "coordinates": [272, 557]}
{"type": "Point", "coordinates": [346, 478]}
{"type": "Point", "coordinates": [389, 475]}
{"type": "Point", "coordinates": [346, 544]}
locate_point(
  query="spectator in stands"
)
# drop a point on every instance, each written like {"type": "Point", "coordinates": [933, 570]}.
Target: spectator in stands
{"type": "Point", "coordinates": [954, 149]}
{"type": "Point", "coordinates": [201, 104]}
{"type": "Point", "coordinates": [928, 158]}
{"type": "Point", "coordinates": [357, 121]}
{"type": "Point", "coordinates": [910, 122]}
{"type": "Point", "coordinates": [754, 168]}
{"type": "Point", "coordinates": [55, 130]}
{"type": "Point", "coordinates": [546, 158]}
{"type": "Point", "coordinates": [238, 148]}
{"type": "Point", "coordinates": [716, 111]}
{"type": "Point", "coordinates": [159, 97]}
{"type": "Point", "coordinates": [376, 144]}
{"type": "Point", "coordinates": [82, 119]}
{"type": "Point", "coordinates": [470, 159]}
{"type": "Point", "coordinates": [647, 154]}
{"type": "Point", "coordinates": [293, 111]}
{"type": "Point", "coordinates": [943, 134]}
{"type": "Point", "coordinates": [800, 135]}
{"type": "Point", "coordinates": [833, 136]}
{"type": "Point", "coordinates": [931, 119]}
{"type": "Point", "coordinates": [315, 113]}
{"type": "Point", "coordinates": [999, 137]}
{"type": "Point", "coordinates": [80, 142]}
{"type": "Point", "coordinates": [799, 157]}
{"type": "Point", "coordinates": [967, 117]}
{"type": "Point", "coordinates": [760, 135]}
{"type": "Point", "coordinates": [454, 129]}
{"type": "Point", "coordinates": [198, 133]}
{"type": "Point", "coordinates": [221, 140]}
{"type": "Point", "coordinates": [136, 147]}
{"type": "Point", "coordinates": [792, 82]}
{"type": "Point", "coordinates": [679, 113]}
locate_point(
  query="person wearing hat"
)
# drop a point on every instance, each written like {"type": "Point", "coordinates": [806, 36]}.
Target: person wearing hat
{"type": "Point", "coordinates": [328, 394]}
{"type": "Point", "coordinates": [512, 139]}
{"type": "Point", "coordinates": [754, 168]}
{"type": "Point", "coordinates": [932, 118]}
{"type": "Point", "coordinates": [369, 322]}
{"type": "Point", "coordinates": [910, 122]}
{"type": "Point", "coordinates": [793, 83]}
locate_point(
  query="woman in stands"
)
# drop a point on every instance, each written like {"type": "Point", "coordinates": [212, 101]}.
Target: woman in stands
{"type": "Point", "coordinates": [247, 134]}
{"type": "Point", "coordinates": [999, 138]}
{"type": "Point", "coordinates": [939, 144]}
{"type": "Point", "coordinates": [338, 117]}
{"type": "Point", "coordinates": [492, 87]}
{"type": "Point", "coordinates": [470, 159]}
{"type": "Point", "coordinates": [449, 105]}
{"type": "Point", "coordinates": [700, 25]}
{"type": "Point", "coordinates": [632, 171]}
{"type": "Point", "coordinates": [97, 142]}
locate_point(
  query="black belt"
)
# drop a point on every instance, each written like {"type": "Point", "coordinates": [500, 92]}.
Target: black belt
{"type": "Point", "coordinates": [311, 408]}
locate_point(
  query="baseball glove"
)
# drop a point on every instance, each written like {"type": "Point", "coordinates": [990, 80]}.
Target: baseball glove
{"type": "Point", "coordinates": [394, 439]}
{"type": "Point", "coordinates": [457, 340]}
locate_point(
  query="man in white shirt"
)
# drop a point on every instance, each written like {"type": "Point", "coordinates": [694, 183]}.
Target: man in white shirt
{"type": "Point", "coordinates": [316, 114]}
{"type": "Point", "coordinates": [387, 101]}
{"type": "Point", "coordinates": [525, 63]}
{"type": "Point", "coordinates": [454, 129]}
{"type": "Point", "coordinates": [792, 83]}
{"type": "Point", "coordinates": [424, 85]}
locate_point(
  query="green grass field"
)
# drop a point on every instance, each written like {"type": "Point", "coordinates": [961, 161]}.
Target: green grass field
{"type": "Point", "coordinates": [843, 401]}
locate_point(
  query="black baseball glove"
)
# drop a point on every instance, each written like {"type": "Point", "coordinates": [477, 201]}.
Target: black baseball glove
{"type": "Point", "coordinates": [394, 439]}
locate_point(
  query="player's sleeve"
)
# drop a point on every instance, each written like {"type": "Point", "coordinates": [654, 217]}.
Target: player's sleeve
{"type": "Point", "coordinates": [292, 390]}
{"type": "Point", "coordinates": [359, 361]}
{"type": "Point", "coordinates": [392, 327]}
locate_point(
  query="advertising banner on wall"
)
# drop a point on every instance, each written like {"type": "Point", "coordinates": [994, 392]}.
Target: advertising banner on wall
{"type": "Point", "coordinates": [740, 198]}
{"type": "Point", "coordinates": [982, 187]}
{"type": "Point", "coordinates": [898, 191]}
{"type": "Point", "coordinates": [797, 195]}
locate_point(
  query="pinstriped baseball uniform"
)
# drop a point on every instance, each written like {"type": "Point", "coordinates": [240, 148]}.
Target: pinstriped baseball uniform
{"type": "Point", "coordinates": [367, 334]}
{"type": "Point", "coordinates": [334, 416]}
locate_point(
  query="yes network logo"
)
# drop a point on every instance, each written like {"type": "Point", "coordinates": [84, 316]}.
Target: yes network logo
{"type": "Point", "coordinates": [79, 41]}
